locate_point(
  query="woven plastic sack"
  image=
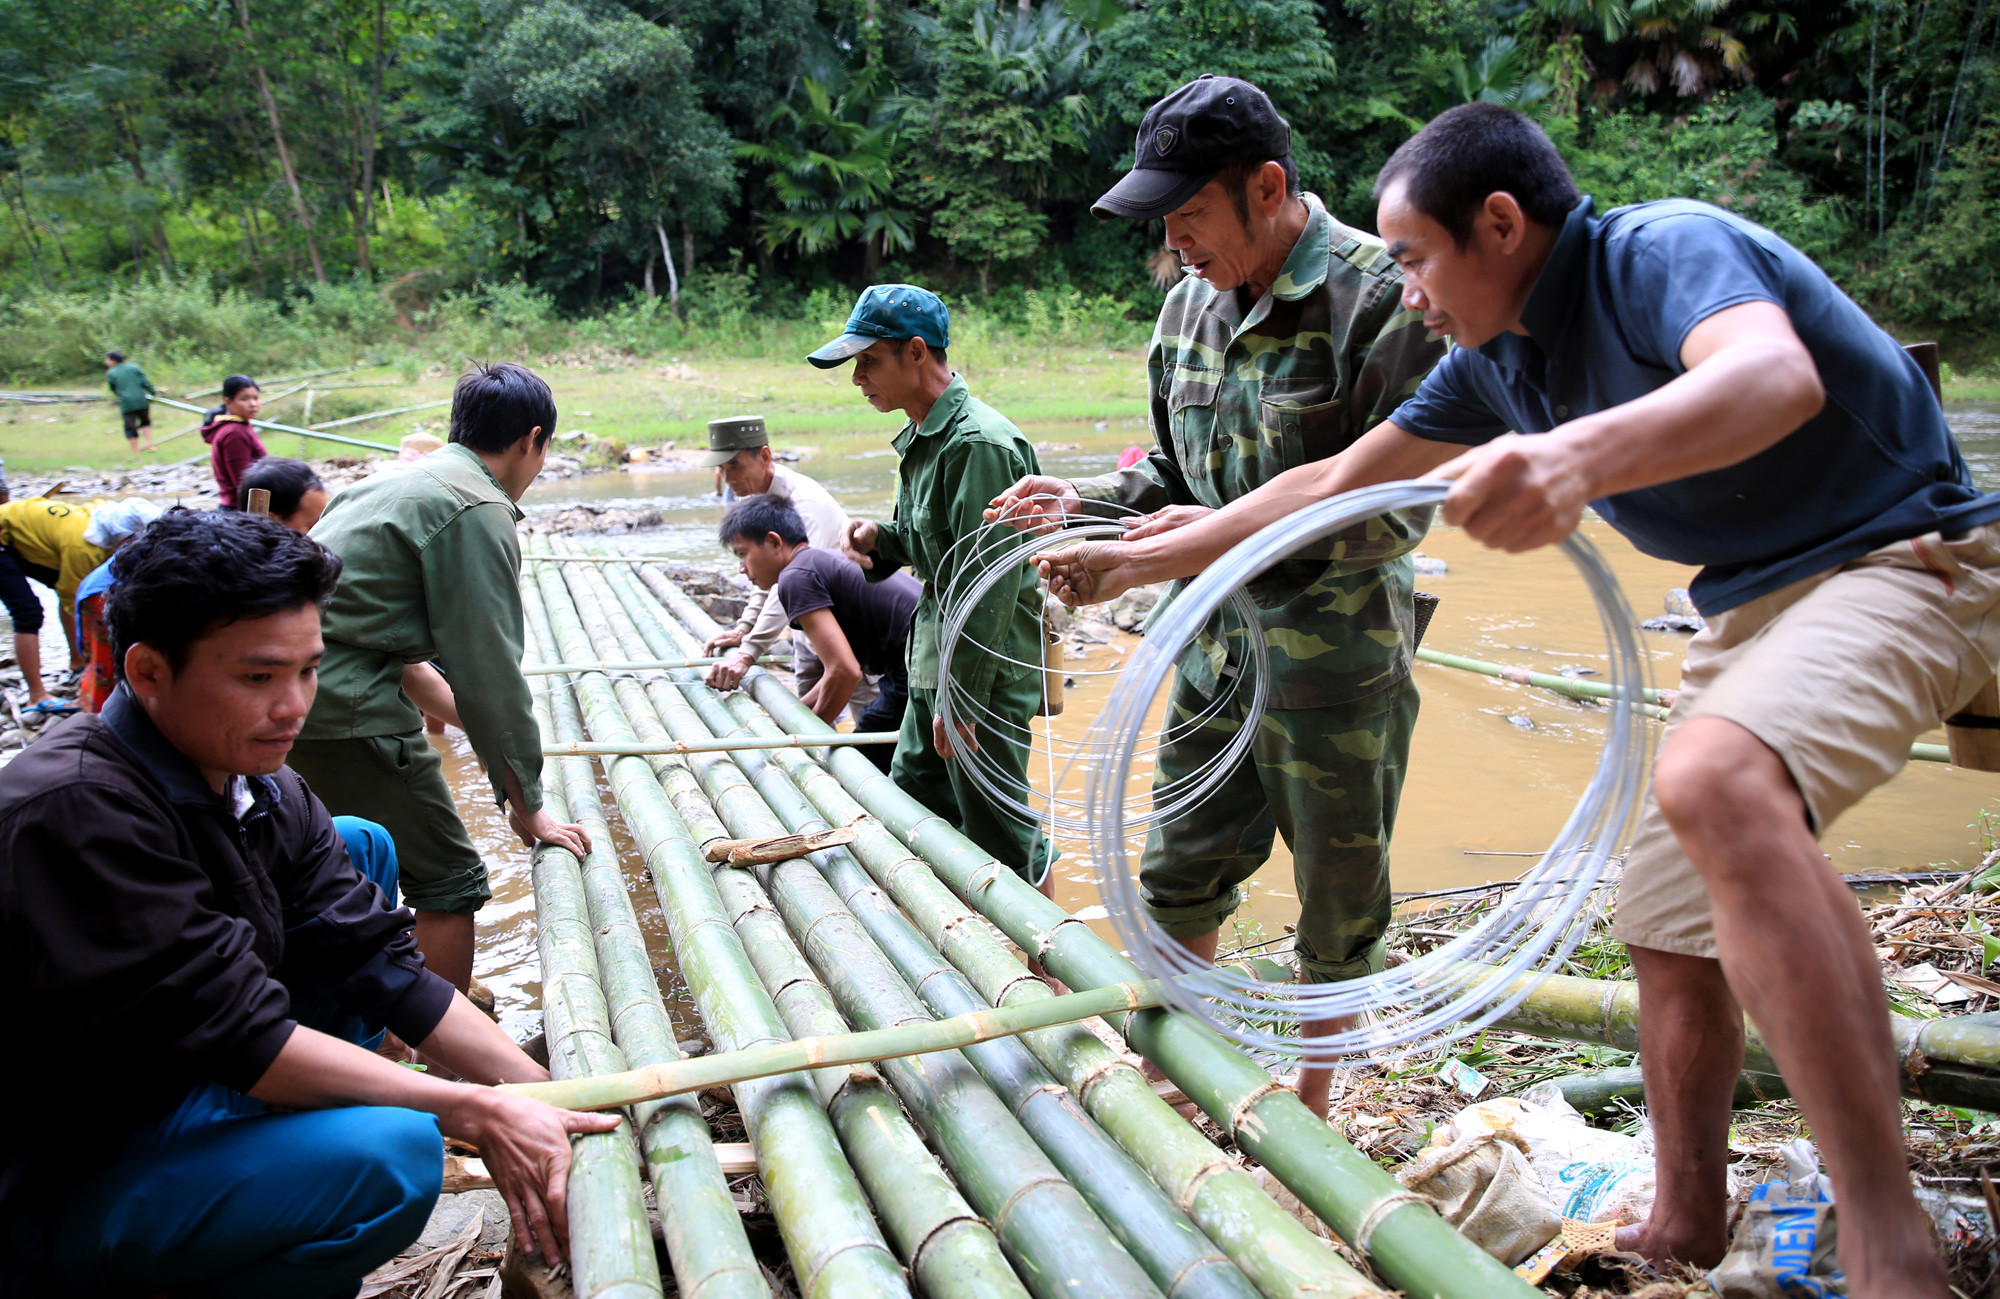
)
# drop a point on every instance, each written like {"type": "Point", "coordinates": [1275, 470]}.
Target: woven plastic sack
{"type": "Point", "coordinates": [1590, 1175]}
{"type": "Point", "coordinates": [1784, 1245]}
{"type": "Point", "coordinates": [1483, 1185]}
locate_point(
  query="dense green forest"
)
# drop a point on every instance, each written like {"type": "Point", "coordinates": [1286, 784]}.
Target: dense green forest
{"type": "Point", "coordinates": [263, 176]}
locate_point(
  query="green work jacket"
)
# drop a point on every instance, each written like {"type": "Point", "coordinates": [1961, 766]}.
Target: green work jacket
{"type": "Point", "coordinates": [963, 455]}
{"type": "Point", "coordinates": [1238, 397]}
{"type": "Point", "coordinates": [432, 571]}
{"type": "Point", "coordinates": [131, 384]}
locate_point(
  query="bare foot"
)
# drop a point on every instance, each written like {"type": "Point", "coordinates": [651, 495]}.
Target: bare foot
{"type": "Point", "coordinates": [1704, 1250]}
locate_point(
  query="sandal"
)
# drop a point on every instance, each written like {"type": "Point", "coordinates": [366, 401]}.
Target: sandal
{"type": "Point", "coordinates": [50, 707]}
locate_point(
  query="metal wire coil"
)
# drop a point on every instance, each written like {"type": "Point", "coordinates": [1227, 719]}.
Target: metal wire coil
{"type": "Point", "coordinates": [1445, 994]}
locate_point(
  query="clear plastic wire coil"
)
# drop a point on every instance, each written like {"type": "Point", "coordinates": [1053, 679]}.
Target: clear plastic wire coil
{"type": "Point", "coordinates": [978, 563]}
{"type": "Point", "coordinates": [1450, 992]}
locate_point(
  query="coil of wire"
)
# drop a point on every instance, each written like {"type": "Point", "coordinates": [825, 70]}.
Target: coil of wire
{"type": "Point", "coordinates": [1448, 993]}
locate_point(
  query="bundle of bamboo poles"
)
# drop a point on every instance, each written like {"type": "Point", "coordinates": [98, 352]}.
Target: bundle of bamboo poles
{"type": "Point", "coordinates": [1037, 1164]}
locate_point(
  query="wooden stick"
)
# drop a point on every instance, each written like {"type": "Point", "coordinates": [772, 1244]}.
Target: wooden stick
{"type": "Point", "coordinates": [610, 1091]}
{"type": "Point", "coordinates": [762, 852]}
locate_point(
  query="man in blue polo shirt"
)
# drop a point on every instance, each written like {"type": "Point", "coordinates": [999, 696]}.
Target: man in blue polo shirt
{"type": "Point", "coordinates": [1717, 399]}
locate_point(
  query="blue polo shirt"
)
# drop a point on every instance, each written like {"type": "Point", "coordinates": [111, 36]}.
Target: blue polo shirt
{"type": "Point", "coordinates": [1605, 324]}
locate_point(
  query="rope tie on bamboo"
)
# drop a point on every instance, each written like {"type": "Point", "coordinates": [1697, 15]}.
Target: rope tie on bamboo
{"type": "Point", "coordinates": [1243, 1112]}
{"type": "Point", "coordinates": [1364, 1231]}
{"type": "Point", "coordinates": [1191, 1190]}
{"type": "Point", "coordinates": [1455, 989]}
{"type": "Point", "coordinates": [1099, 1072]}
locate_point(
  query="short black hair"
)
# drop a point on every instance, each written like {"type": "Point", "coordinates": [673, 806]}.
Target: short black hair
{"type": "Point", "coordinates": [193, 571]}
{"type": "Point", "coordinates": [236, 383]}
{"type": "Point", "coordinates": [115, 356]}
{"type": "Point", "coordinates": [1471, 152]}
{"type": "Point", "coordinates": [287, 480]}
{"type": "Point", "coordinates": [1236, 176]}
{"type": "Point", "coordinates": [494, 406]}
{"type": "Point", "coordinates": [755, 517]}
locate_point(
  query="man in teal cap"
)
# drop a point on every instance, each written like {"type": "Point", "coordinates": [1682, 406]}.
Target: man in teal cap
{"type": "Point", "coordinates": [957, 453]}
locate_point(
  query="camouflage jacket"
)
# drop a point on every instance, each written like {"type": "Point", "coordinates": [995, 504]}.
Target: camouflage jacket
{"type": "Point", "coordinates": [963, 455]}
{"type": "Point", "coordinates": [1239, 398]}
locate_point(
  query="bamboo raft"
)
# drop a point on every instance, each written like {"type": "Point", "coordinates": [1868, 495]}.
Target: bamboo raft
{"type": "Point", "coordinates": [1037, 1163]}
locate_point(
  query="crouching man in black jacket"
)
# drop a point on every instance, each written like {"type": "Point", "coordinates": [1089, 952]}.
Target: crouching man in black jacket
{"type": "Point", "coordinates": [177, 912]}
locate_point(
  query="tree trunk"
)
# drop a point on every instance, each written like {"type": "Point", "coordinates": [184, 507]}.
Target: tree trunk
{"type": "Point", "coordinates": [651, 292]}
{"type": "Point", "coordinates": [673, 276]}
{"type": "Point", "coordinates": [278, 137]}
{"type": "Point", "coordinates": [687, 247]}
{"type": "Point", "coordinates": [368, 143]}
{"type": "Point", "coordinates": [256, 253]}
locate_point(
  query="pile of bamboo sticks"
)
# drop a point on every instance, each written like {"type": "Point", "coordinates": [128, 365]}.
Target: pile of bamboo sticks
{"type": "Point", "coordinates": [1030, 1165]}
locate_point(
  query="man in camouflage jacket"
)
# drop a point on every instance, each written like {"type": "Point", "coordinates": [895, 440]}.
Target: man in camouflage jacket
{"type": "Point", "coordinates": [1267, 355]}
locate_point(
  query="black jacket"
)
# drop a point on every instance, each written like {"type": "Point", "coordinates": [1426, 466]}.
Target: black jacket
{"type": "Point", "coordinates": [152, 942]}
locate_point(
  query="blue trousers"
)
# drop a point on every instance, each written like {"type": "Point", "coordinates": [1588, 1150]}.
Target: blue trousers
{"type": "Point", "coordinates": [221, 1198]}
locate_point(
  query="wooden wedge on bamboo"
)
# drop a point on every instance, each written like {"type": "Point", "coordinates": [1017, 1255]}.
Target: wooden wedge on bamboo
{"type": "Point", "coordinates": [763, 852]}
{"type": "Point", "coordinates": [654, 1082]}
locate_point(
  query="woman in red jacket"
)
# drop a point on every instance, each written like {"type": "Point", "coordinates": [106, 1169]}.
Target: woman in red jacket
{"type": "Point", "coordinates": [233, 445]}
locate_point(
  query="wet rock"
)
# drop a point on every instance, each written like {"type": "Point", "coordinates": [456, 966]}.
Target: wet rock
{"type": "Point", "coordinates": [1520, 723]}
{"type": "Point", "coordinates": [1678, 601]}
{"type": "Point", "coordinates": [1426, 566]}
{"type": "Point", "coordinates": [1129, 610]}
{"type": "Point", "coordinates": [692, 1047]}
{"type": "Point", "coordinates": [602, 520]}
{"type": "Point", "coordinates": [1681, 614]}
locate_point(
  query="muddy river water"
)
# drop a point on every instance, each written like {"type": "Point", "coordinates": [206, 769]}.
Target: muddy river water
{"type": "Point", "coordinates": [1495, 767]}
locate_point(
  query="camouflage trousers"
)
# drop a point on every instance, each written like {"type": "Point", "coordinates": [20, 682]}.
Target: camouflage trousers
{"type": "Point", "coordinates": [945, 787]}
{"type": "Point", "coordinates": [1328, 779]}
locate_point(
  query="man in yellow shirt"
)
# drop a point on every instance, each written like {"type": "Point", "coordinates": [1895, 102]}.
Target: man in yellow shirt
{"type": "Point", "coordinates": [57, 544]}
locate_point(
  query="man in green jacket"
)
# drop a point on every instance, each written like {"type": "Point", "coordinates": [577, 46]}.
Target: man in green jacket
{"type": "Point", "coordinates": [134, 391]}
{"type": "Point", "coordinates": [1283, 344]}
{"type": "Point", "coordinates": [432, 571]}
{"type": "Point", "coordinates": [957, 454]}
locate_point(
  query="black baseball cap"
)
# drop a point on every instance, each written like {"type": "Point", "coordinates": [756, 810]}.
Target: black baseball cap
{"type": "Point", "coordinates": [1190, 136]}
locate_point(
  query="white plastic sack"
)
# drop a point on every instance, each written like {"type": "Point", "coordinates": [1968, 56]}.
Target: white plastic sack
{"type": "Point", "coordinates": [1483, 1185]}
{"type": "Point", "coordinates": [1590, 1175]}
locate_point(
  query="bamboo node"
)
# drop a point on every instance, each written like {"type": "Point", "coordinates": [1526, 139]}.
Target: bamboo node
{"type": "Point", "coordinates": [1241, 1115]}
{"type": "Point", "coordinates": [1364, 1230]}
{"type": "Point", "coordinates": [1098, 1072]}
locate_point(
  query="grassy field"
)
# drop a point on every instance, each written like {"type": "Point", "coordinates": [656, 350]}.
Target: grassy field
{"type": "Point", "coordinates": [645, 404]}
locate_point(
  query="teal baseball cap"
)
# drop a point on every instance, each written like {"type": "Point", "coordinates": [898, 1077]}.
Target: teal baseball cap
{"type": "Point", "coordinates": [888, 311]}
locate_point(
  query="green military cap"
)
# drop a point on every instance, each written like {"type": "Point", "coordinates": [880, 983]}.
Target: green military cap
{"type": "Point", "coordinates": [728, 436]}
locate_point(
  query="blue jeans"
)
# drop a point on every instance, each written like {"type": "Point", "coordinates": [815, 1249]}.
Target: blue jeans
{"type": "Point", "coordinates": [221, 1198]}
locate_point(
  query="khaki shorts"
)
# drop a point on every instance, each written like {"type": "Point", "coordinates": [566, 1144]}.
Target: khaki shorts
{"type": "Point", "coordinates": [1837, 674]}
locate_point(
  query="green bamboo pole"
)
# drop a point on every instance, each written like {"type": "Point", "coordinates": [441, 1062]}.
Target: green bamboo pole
{"type": "Point", "coordinates": [1655, 701]}
{"type": "Point", "coordinates": [288, 428]}
{"type": "Point", "coordinates": [1597, 1093]}
{"type": "Point", "coordinates": [831, 741]}
{"type": "Point", "coordinates": [1042, 1219]}
{"type": "Point", "coordinates": [1272, 1248]}
{"type": "Point", "coordinates": [1409, 1244]}
{"type": "Point", "coordinates": [830, 1234]}
{"type": "Point", "coordinates": [611, 1247]}
{"type": "Point", "coordinates": [706, 1243]}
{"type": "Point", "coordinates": [947, 1246]}
{"type": "Point", "coordinates": [641, 665]}
{"type": "Point", "coordinates": [1945, 1061]}
{"type": "Point", "coordinates": [952, 1252]}
{"type": "Point", "coordinates": [616, 1090]}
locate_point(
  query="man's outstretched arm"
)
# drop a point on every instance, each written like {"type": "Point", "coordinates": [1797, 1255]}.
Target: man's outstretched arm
{"type": "Point", "coordinates": [1096, 571]}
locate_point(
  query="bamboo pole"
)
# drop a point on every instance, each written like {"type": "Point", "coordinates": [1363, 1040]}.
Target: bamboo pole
{"type": "Point", "coordinates": [1409, 1244]}
{"type": "Point", "coordinates": [1283, 1258]}
{"type": "Point", "coordinates": [292, 378]}
{"type": "Point", "coordinates": [1598, 1093]}
{"type": "Point", "coordinates": [288, 428]}
{"type": "Point", "coordinates": [830, 1234]}
{"type": "Point", "coordinates": [1042, 1220]}
{"type": "Point", "coordinates": [832, 741]}
{"type": "Point", "coordinates": [374, 415]}
{"type": "Point", "coordinates": [636, 665]}
{"type": "Point", "coordinates": [611, 1247]}
{"type": "Point", "coordinates": [1277, 1253]}
{"type": "Point", "coordinates": [606, 1091]}
{"type": "Point", "coordinates": [706, 1243]}
{"type": "Point", "coordinates": [950, 1250]}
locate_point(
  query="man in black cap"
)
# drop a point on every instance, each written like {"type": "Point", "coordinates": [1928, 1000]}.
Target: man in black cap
{"type": "Point", "coordinates": [740, 446]}
{"type": "Point", "coordinates": [1284, 343]}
